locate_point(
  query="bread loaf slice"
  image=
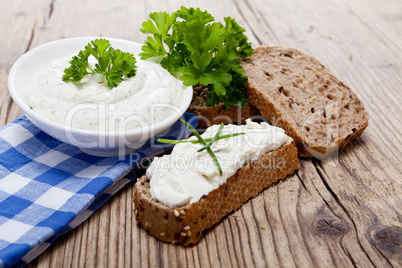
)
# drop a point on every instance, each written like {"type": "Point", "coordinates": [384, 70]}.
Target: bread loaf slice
{"type": "Point", "coordinates": [185, 224]}
{"type": "Point", "coordinates": [296, 92]}
{"type": "Point", "coordinates": [214, 115]}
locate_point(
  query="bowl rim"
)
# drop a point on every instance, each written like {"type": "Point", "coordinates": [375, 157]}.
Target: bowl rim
{"type": "Point", "coordinates": [187, 96]}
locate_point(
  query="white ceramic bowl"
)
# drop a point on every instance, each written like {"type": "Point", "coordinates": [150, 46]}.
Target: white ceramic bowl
{"type": "Point", "coordinates": [91, 142]}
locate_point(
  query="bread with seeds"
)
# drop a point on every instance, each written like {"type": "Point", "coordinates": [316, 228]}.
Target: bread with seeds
{"type": "Point", "coordinates": [296, 92]}
{"type": "Point", "coordinates": [185, 221]}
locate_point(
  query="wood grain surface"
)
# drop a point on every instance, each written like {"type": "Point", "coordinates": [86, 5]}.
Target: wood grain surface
{"type": "Point", "coordinates": [344, 211]}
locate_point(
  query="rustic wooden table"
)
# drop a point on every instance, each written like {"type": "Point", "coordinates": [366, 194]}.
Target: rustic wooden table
{"type": "Point", "coordinates": [344, 211]}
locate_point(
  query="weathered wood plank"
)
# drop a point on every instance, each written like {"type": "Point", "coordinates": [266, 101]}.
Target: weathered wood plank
{"type": "Point", "coordinates": [16, 33]}
{"type": "Point", "coordinates": [344, 211]}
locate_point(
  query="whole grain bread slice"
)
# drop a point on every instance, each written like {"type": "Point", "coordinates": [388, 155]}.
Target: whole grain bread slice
{"type": "Point", "coordinates": [185, 224]}
{"type": "Point", "coordinates": [217, 114]}
{"type": "Point", "coordinates": [296, 92]}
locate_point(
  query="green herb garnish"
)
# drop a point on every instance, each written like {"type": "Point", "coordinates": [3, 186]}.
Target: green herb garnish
{"type": "Point", "coordinates": [196, 141]}
{"type": "Point", "coordinates": [112, 63]}
{"type": "Point", "coordinates": [205, 52]}
{"type": "Point", "coordinates": [204, 141]}
{"type": "Point", "coordinates": [213, 139]}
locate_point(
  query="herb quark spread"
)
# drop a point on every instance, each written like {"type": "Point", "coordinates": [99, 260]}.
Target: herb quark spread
{"type": "Point", "coordinates": [187, 174]}
{"type": "Point", "coordinates": [149, 97]}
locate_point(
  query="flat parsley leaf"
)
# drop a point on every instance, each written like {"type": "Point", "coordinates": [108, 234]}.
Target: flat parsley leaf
{"type": "Point", "coordinates": [112, 63]}
{"type": "Point", "coordinates": [205, 52]}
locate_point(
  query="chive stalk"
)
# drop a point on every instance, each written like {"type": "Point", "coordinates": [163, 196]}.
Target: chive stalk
{"type": "Point", "coordinates": [197, 141]}
{"type": "Point", "coordinates": [213, 139]}
{"type": "Point", "coordinates": [202, 141]}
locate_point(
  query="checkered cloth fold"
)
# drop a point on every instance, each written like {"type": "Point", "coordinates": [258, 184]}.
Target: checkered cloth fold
{"type": "Point", "coordinates": [48, 187]}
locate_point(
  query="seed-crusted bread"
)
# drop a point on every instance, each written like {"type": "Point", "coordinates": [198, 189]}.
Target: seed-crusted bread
{"type": "Point", "coordinates": [296, 92]}
{"type": "Point", "coordinates": [213, 115]}
{"type": "Point", "coordinates": [185, 224]}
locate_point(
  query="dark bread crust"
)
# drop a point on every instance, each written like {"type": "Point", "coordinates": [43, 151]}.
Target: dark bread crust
{"type": "Point", "coordinates": [296, 92]}
{"type": "Point", "coordinates": [185, 224]}
{"type": "Point", "coordinates": [217, 114]}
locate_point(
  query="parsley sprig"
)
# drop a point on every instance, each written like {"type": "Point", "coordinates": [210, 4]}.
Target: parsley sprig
{"type": "Point", "coordinates": [204, 141]}
{"type": "Point", "coordinates": [205, 52]}
{"type": "Point", "coordinates": [112, 63]}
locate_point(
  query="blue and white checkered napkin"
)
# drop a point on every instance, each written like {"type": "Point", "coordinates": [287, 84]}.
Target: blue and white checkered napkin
{"type": "Point", "coordinates": [48, 187]}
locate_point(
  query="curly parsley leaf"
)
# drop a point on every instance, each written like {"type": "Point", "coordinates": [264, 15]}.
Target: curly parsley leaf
{"type": "Point", "coordinates": [191, 14]}
{"type": "Point", "coordinates": [205, 52]}
{"type": "Point", "coordinates": [79, 67]}
{"type": "Point", "coordinates": [173, 62]}
{"type": "Point", "coordinates": [236, 96]}
{"type": "Point", "coordinates": [113, 64]}
{"type": "Point", "coordinates": [159, 29]}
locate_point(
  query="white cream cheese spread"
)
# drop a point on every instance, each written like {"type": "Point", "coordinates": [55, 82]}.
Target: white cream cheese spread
{"type": "Point", "coordinates": [151, 96]}
{"type": "Point", "coordinates": [186, 175]}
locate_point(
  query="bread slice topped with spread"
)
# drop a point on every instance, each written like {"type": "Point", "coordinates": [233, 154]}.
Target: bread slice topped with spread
{"type": "Point", "coordinates": [190, 190]}
{"type": "Point", "coordinates": [294, 91]}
